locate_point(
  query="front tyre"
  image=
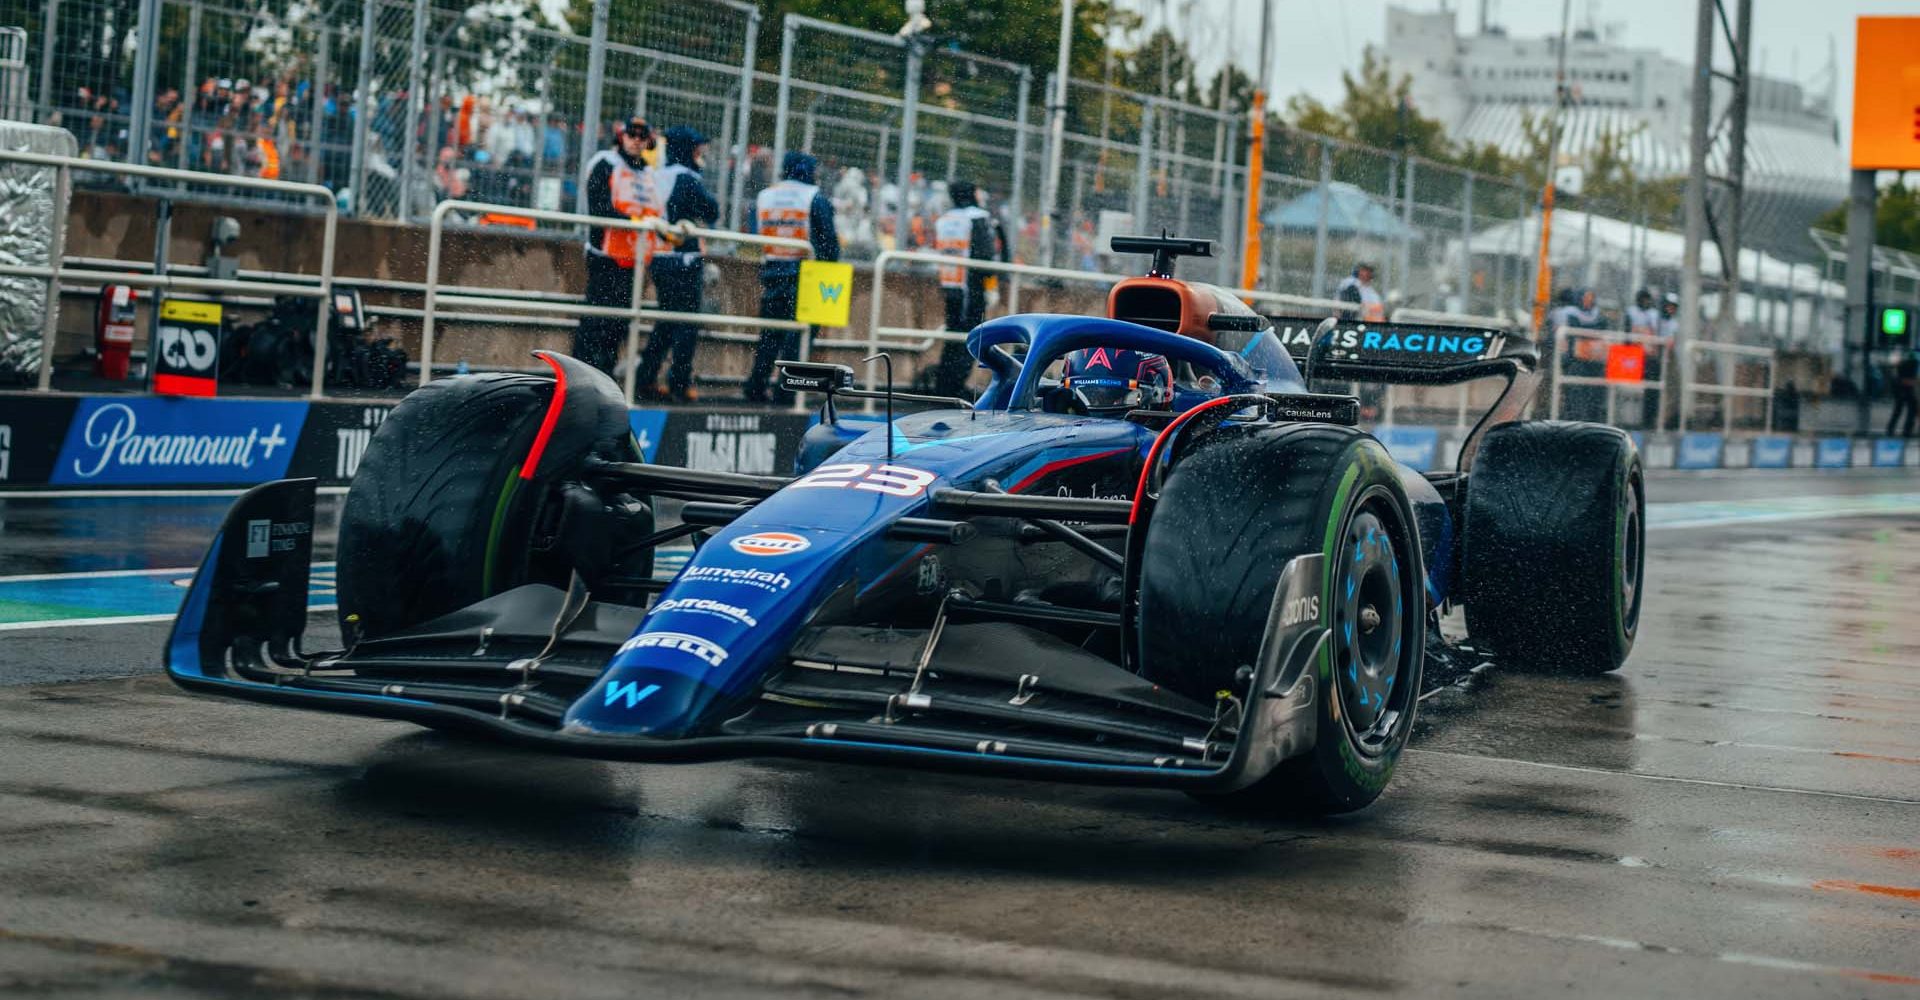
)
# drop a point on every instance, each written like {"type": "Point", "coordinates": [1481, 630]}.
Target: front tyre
{"type": "Point", "coordinates": [1553, 567]}
{"type": "Point", "coordinates": [442, 510]}
{"type": "Point", "coordinates": [1232, 515]}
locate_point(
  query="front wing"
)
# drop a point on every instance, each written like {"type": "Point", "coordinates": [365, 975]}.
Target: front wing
{"type": "Point", "coordinates": [986, 689]}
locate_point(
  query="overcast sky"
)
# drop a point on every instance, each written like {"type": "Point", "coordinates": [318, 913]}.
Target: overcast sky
{"type": "Point", "coordinates": [1315, 39]}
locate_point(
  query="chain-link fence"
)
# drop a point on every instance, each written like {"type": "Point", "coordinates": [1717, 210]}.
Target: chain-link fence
{"type": "Point", "coordinates": [484, 101]}
{"type": "Point", "coordinates": [399, 104]}
{"type": "Point", "coordinates": [894, 121]}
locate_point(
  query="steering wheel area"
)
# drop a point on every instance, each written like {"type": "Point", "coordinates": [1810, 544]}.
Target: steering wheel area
{"type": "Point", "coordinates": [1018, 381]}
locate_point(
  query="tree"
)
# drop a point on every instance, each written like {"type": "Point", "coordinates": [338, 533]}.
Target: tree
{"type": "Point", "coordinates": [1896, 217]}
{"type": "Point", "coordinates": [1375, 110]}
{"type": "Point", "coordinates": [1019, 31]}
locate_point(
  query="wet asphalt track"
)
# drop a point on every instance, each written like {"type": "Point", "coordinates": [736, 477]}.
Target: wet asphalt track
{"type": "Point", "coordinates": [1735, 814]}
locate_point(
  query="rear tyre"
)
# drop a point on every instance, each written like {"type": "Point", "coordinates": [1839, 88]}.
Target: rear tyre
{"type": "Point", "coordinates": [1555, 553]}
{"type": "Point", "coordinates": [1230, 518]}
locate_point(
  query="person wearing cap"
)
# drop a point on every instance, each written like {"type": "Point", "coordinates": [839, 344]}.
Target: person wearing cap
{"type": "Point", "coordinates": [1666, 329]}
{"type": "Point", "coordinates": [1643, 317]}
{"type": "Point", "coordinates": [796, 209]}
{"type": "Point", "coordinates": [1358, 288]}
{"type": "Point", "coordinates": [966, 230]}
{"type": "Point", "coordinates": [677, 195]}
{"type": "Point", "coordinates": [614, 191]}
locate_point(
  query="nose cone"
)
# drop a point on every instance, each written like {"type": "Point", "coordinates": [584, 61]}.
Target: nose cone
{"type": "Point", "coordinates": [640, 701]}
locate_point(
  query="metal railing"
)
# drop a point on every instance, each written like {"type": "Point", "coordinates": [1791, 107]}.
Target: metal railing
{"type": "Point", "coordinates": [1561, 380]}
{"type": "Point", "coordinates": [1726, 391]}
{"type": "Point", "coordinates": [13, 75]}
{"type": "Point", "coordinates": [928, 336]}
{"type": "Point", "coordinates": [635, 314]}
{"type": "Point", "coordinates": [55, 270]}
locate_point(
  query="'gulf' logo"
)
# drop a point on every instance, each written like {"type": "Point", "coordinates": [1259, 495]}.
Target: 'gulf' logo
{"type": "Point", "coordinates": [770, 543]}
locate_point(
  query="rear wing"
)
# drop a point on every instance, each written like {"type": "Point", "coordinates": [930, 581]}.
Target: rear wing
{"type": "Point", "coordinates": [1401, 353]}
{"type": "Point", "coordinates": [1348, 350]}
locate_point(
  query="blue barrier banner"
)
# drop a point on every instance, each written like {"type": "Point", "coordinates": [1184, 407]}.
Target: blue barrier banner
{"type": "Point", "coordinates": [1639, 439]}
{"type": "Point", "coordinates": [1771, 453]}
{"type": "Point", "coordinates": [1415, 447]}
{"type": "Point", "coordinates": [149, 440]}
{"type": "Point", "coordinates": [649, 429]}
{"type": "Point", "coordinates": [1699, 450]}
{"type": "Point", "coordinates": [1889, 452]}
{"type": "Point", "coordinates": [1832, 453]}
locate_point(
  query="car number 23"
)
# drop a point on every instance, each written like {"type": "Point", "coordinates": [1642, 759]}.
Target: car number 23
{"type": "Point", "coordinates": [896, 480]}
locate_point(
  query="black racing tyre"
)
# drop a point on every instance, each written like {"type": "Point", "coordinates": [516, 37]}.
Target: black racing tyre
{"type": "Point", "coordinates": [1231, 516]}
{"type": "Point", "coordinates": [1555, 555]}
{"type": "Point", "coordinates": [436, 518]}
{"type": "Point", "coordinates": [439, 515]}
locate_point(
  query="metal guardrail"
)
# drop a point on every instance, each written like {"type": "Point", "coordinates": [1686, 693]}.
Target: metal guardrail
{"type": "Point", "coordinates": [1562, 334]}
{"type": "Point", "coordinates": [928, 336]}
{"type": "Point", "coordinates": [634, 314]}
{"type": "Point", "coordinates": [1726, 390]}
{"type": "Point", "coordinates": [1409, 315]}
{"type": "Point", "coordinates": [55, 269]}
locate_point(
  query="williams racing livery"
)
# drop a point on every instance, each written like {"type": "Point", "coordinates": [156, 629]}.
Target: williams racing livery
{"type": "Point", "coordinates": [1155, 551]}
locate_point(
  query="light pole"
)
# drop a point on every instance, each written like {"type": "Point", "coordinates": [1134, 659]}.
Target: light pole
{"type": "Point", "coordinates": [1543, 270]}
{"type": "Point", "coordinates": [1056, 136]}
{"type": "Point", "coordinates": [1256, 152]}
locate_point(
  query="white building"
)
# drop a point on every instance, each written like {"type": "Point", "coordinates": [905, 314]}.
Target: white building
{"type": "Point", "coordinates": [1483, 87]}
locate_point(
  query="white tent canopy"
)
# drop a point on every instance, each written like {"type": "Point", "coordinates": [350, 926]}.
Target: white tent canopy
{"type": "Point", "coordinates": [1617, 239]}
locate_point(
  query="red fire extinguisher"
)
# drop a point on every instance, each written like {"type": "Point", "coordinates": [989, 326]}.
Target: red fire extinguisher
{"type": "Point", "coordinates": [113, 331]}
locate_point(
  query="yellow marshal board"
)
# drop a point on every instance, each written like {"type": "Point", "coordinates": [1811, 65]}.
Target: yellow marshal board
{"type": "Point", "coordinates": [826, 293]}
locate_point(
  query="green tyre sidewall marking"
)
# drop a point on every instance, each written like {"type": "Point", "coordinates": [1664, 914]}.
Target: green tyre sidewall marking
{"type": "Point", "coordinates": [498, 525]}
{"type": "Point", "coordinates": [1629, 502]}
{"type": "Point", "coordinates": [1371, 775]}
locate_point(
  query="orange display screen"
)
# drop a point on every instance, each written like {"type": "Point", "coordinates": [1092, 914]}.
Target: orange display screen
{"type": "Point", "coordinates": [1886, 94]}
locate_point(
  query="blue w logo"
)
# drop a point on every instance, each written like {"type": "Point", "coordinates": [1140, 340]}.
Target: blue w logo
{"type": "Point", "coordinates": [630, 690]}
{"type": "Point", "coordinates": [830, 293]}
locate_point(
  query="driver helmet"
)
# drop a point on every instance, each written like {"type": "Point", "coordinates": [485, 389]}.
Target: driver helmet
{"type": "Point", "coordinates": [1113, 380]}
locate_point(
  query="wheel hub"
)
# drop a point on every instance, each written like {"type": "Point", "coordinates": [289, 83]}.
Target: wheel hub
{"type": "Point", "coordinates": [1368, 623]}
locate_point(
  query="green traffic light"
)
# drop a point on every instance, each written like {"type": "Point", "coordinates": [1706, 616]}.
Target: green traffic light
{"type": "Point", "coordinates": [1894, 322]}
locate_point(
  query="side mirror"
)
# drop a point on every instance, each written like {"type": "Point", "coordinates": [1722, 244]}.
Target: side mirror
{"type": "Point", "coordinates": [1317, 350]}
{"type": "Point", "coordinates": [808, 376]}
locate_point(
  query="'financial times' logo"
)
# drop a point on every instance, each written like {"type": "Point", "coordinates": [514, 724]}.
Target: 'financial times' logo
{"type": "Point", "coordinates": [770, 543]}
{"type": "Point", "coordinates": [717, 609]}
{"type": "Point", "coordinates": [705, 650]}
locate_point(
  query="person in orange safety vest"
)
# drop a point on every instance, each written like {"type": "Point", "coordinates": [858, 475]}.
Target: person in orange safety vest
{"type": "Point", "coordinates": [616, 189]}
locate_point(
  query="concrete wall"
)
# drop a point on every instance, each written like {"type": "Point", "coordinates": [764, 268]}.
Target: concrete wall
{"type": "Point", "coordinates": [119, 226]}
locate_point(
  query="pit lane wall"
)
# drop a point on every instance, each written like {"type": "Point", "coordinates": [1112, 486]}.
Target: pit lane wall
{"type": "Point", "coordinates": [133, 442]}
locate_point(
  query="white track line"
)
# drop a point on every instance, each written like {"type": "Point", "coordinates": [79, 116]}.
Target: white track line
{"type": "Point", "coordinates": [104, 574]}
{"type": "Point", "coordinates": [122, 620]}
{"type": "Point", "coordinates": [1713, 513]}
{"type": "Point", "coordinates": [325, 491]}
{"type": "Point", "coordinates": [1706, 782]}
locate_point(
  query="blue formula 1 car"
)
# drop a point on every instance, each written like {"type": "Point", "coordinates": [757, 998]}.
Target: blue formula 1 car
{"type": "Point", "coordinates": [1186, 571]}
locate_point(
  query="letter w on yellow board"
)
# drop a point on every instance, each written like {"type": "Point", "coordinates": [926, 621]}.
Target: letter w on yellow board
{"type": "Point", "coordinates": [826, 293]}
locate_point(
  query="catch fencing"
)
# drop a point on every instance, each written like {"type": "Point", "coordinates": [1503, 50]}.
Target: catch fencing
{"type": "Point", "coordinates": [398, 105]}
